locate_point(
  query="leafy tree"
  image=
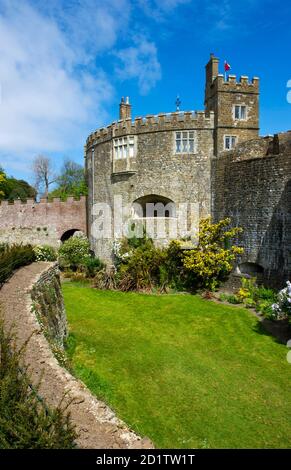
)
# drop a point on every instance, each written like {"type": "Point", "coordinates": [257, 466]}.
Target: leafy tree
{"type": "Point", "coordinates": [2, 184]}
{"type": "Point", "coordinates": [71, 181]}
{"type": "Point", "coordinates": [12, 188]}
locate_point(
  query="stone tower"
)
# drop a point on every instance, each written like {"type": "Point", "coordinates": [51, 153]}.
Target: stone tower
{"type": "Point", "coordinates": [235, 104]}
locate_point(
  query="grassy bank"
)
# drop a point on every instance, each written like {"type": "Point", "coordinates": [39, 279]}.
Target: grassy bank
{"type": "Point", "coordinates": [182, 370]}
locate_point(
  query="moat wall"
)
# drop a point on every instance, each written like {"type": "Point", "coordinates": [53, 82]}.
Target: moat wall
{"type": "Point", "coordinates": [252, 185]}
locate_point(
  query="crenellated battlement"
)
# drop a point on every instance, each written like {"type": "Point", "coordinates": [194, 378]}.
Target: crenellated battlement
{"type": "Point", "coordinates": [41, 202]}
{"type": "Point", "coordinates": [233, 84]}
{"type": "Point", "coordinates": [43, 222]}
{"type": "Point", "coordinates": [153, 123]}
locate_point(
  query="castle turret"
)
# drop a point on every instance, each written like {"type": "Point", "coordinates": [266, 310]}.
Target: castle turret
{"type": "Point", "coordinates": [235, 104]}
{"type": "Point", "coordinates": [124, 109]}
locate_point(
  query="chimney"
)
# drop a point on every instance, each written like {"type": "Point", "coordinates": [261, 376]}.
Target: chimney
{"type": "Point", "coordinates": [124, 109]}
{"type": "Point", "coordinates": [211, 74]}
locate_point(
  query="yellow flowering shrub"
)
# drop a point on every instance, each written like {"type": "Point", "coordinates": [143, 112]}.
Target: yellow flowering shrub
{"type": "Point", "coordinates": [212, 259]}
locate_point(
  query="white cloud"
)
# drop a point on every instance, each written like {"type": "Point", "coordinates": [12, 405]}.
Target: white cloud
{"type": "Point", "coordinates": [159, 9]}
{"type": "Point", "coordinates": [92, 25]}
{"type": "Point", "coordinates": [56, 69]}
{"type": "Point", "coordinates": [140, 61]}
{"type": "Point", "coordinates": [47, 100]}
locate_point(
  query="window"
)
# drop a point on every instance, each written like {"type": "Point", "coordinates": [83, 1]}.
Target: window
{"type": "Point", "coordinates": [185, 142]}
{"type": "Point", "coordinates": [240, 112]}
{"type": "Point", "coordinates": [124, 147]}
{"type": "Point", "coordinates": [229, 142]}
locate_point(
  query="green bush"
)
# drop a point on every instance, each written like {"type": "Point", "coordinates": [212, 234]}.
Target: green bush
{"type": "Point", "coordinates": [13, 257]}
{"type": "Point", "coordinates": [45, 253]}
{"type": "Point", "coordinates": [259, 297]}
{"type": "Point", "coordinates": [25, 421]}
{"type": "Point", "coordinates": [74, 252]}
{"type": "Point", "coordinates": [141, 265]}
{"type": "Point", "coordinates": [230, 298]}
{"type": "Point", "coordinates": [92, 266]}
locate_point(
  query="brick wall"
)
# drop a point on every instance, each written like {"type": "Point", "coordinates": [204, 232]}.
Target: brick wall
{"type": "Point", "coordinates": [41, 223]}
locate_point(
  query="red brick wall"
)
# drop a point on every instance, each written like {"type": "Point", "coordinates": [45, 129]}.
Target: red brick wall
{"type": "Point", "coordinates": [41, 222]}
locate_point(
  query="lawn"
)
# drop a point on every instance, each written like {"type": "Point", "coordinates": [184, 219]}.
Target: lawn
{"type": "Point", "coordinates": [184, 371]}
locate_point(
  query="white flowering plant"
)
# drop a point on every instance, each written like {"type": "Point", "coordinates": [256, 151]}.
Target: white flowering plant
{"type": "Point", "coordinates": [74, 252]}
{"type": "Point", "coordinates": [44, 253]}
{"type": "Point", "coordinates": [282, 308]}
{"type": "Point", "coordinates": [120, 250]}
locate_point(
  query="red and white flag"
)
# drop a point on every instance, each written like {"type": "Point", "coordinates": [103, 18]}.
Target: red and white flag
{"type": "Point", "coordinates": [227, 67]}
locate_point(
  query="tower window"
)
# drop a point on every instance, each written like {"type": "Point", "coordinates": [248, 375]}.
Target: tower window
{"type": "Point", "coordinates": [185, 142]}
{"type": "Point", "coordinates": [124, 147]}
{"type": "Point", "coordinates": [240, 112]}
{"type": "Point", "coordinates": [229, 142]}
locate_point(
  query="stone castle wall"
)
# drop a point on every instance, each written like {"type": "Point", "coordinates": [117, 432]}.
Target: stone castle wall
{"type": "Point", "coordinates": [252, 185]}
{"type": "Point", "coordinates": [41, 222]}
{"type": "Point", "coordinates": [155, 170]}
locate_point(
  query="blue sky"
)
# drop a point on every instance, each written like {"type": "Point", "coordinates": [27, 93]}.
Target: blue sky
{"type": "Point", "coordinates": [64, 64]}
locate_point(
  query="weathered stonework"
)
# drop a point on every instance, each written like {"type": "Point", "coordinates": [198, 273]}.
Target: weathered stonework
{"type": "Point", "coordinates": [96, 424]}
{"type": "Point", "coordinates": [41, 223]}
{"type": "Point", "coordinates": [252, 186]}
{"type": "Point", "coordinates": [156, 171]}
{"type": "Point", "coordinates": [48, 304]}
{"type": "Point", "coordinates": [250, 183]}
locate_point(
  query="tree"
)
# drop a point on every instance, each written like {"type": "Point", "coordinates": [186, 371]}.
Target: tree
{"type": "Point", "coordinates": [71, 181]}
{"type": "Point", "coordinates": [2, 183]}
{"type": "Point", "coordinates": [43, 173]}
{"type": "Point", "coordinates": [12, 188]}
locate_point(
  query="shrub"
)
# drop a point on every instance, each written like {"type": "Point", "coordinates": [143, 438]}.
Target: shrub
{"type": "Point", "coordinates": [230, 298]}
{"type": "Point", "coordinates": [259, 297]}
{"type": "Point", "coordinates": [13, 257]}
{"type": "Point", "coordinates": [74, 252]}
{"type": "Point", "coordinates": [211, 261]}
{"type": "Point", "coordinates": [282, 308]}
{"type": "Point", "coordinates": [45, 253]}
{"type": "Point", "coordinates": [140, 265]}
{"type": "Point", "coordinates": [105, 279]}
{"type": "Point", "coordinates": [25, 421]}
{"type": "Point", "coordinates": [92, 266]}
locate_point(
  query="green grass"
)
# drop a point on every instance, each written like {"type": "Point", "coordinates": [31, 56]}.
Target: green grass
{"type": "Point", "coordinates": [184, 371]}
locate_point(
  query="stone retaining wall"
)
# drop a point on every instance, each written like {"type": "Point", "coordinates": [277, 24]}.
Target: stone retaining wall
{"type": "Point", "coordinates": [96, 425]}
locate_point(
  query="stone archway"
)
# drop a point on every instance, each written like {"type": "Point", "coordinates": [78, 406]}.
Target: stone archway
{"type": "Point", "coordinates": [251, 269]}
{"type": "Point", "coordinates": [69, 233]}
{"type": "Point", "coordinates": [154, 205]}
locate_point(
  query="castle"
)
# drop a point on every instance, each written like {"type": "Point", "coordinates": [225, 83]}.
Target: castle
{"type": "Point", "coordinates": [212, 160]}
